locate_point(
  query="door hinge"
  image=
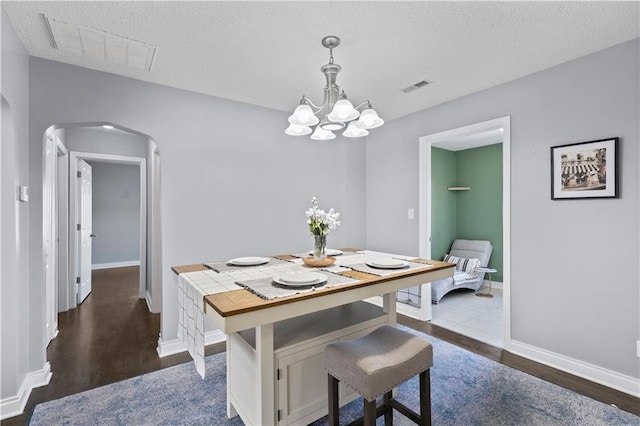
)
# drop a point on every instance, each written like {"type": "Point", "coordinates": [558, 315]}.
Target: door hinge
{"type": "Point", "coordinates": [277, 374]}
{"type": "Point", "coordinates": [79, 174]}
{"type": "Point", "coordinates": [279, 415]}
{"type": "Point", "coordinates": [78, 227]}
{"type": "Point", "coordinates": [77, 280]}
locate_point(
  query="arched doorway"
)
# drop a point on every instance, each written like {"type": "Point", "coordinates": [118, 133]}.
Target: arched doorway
{"type": "Point", "coordinates": [107, 142]}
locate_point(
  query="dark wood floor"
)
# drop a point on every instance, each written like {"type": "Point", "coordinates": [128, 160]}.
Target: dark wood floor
{"type": "Point", "coordinates": [112, 337]}
{"type": "Point", "coordinates": [596, 391]}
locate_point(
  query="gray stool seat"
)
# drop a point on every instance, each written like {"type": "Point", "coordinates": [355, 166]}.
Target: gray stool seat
{"type": "Point", "coordinates": [376, 363]}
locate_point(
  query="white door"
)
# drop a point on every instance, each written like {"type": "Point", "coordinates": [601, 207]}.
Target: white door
{"type": "Point", "coordinates": [84, 230]}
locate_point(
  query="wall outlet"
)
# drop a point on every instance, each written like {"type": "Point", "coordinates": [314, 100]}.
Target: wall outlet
{"type": "Point", "coordinates": [410, 214]}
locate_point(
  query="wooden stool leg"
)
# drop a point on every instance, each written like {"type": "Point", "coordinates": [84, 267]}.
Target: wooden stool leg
{"type": "Point", "coordinates": [388, 414]}
{"type": "Point", "coordinates": [333, 401]}
{"type": "Point", "coordinates": [425, 397]}
{"type": "Point", "coordinates": [369, 412]}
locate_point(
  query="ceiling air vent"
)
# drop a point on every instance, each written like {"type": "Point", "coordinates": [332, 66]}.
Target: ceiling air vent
{"type": "Point", "coordinates": [416, 86]}
{"type": "Point", "coordinates": [101, 45]}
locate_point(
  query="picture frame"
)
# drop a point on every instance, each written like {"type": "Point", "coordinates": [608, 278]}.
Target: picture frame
{"type": "Point", "coordinates": [585, 170]}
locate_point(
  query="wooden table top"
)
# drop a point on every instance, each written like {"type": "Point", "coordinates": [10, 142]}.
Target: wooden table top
{"type": "Point", "coordinates": [241, 301]}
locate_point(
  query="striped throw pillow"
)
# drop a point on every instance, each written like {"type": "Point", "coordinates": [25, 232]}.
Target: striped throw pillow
{"type": "Point", "coordinates": [462, 263]}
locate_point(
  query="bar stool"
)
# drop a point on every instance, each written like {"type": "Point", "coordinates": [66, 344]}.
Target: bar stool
{"type": "Point", "coordinates": [375, 364]}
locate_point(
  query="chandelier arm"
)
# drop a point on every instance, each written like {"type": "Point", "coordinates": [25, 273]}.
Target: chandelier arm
{"type": "Point", "coordinates": [312, 105]}
{"type": "Point", "coordinates": [363, 104]}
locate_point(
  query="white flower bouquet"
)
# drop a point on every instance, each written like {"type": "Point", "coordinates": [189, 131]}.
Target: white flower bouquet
{"type": "Point", "coordinates": [319, 221]}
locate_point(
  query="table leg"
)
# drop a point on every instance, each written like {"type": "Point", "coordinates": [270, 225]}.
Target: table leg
{"type": "Point", "coordinates": [231, 411]}
{"type": "Point", "coordinates": [488, 294]}
{"type": "Point", "coordinates": [389, 306]}
{"type": "Point", "coordinates": [266, 368]}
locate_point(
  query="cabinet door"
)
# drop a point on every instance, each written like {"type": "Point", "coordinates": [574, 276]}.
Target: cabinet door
{"type": "Point", "coordinates": [302, 387]}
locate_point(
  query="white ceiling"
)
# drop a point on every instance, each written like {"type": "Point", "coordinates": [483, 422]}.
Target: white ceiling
{"type": "Point", "coordinates": [269, 53]}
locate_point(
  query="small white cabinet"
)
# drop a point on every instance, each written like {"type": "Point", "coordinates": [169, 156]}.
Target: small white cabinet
{"type": "Point", "coordinates": [299, 378]}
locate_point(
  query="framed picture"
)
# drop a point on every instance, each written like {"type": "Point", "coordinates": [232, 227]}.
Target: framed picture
{"type": "Point", "coordinates": [585, 170]}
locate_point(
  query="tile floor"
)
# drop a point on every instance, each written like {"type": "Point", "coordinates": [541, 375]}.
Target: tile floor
{"type": "Point", "coordinates": [476, 317]}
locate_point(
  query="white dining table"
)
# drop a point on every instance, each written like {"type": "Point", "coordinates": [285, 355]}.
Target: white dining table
{"type": "Point", "coordinates": [275, 345]}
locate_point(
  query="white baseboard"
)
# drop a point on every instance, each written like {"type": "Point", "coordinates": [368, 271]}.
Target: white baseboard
{"type": "Point", "coordinates": [594, 373]}
{"type": "Point", "coordinates": [147, 298]}
{"type": "Point", "coordinates": [14, 406]}
{"type": "Point", "coordinates": [409, 310]}
{"type": "Point", "coordinates": [170, 348]}
{"type": "Point", "coordinates": [215, 336]}
{"type": "Point", "coordinates": [176, 346]}
{"type": "Point", "coordinates": [115, 265]}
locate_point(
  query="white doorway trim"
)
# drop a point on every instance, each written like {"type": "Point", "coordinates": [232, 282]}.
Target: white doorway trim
{"type": "Point", "coordinates": [73, 241]}
{"type": "Point", "coordinates": [424, 210]}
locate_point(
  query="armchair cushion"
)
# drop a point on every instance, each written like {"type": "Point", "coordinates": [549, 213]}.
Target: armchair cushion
{"type": "Point", "coordinates": [462, 263]}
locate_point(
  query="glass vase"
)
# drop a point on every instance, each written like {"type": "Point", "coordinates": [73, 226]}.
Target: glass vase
{"type": "Point", "coordinates": [320, 247]}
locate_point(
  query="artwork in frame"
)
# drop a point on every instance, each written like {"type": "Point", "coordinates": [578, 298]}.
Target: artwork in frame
{"type": "Point", "coordinates": [585, 170]}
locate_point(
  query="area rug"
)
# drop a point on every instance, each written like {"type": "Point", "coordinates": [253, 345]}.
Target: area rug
{"type": "Point", "coordinates": [466, 389]}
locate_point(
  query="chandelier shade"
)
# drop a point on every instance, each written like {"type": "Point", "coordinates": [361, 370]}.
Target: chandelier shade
{"type": "Point", "coordinates": [322, 135]}
{"type": "Point", "coordinates": [295, 130]}
{"type": "Point", "coordinates": [355, 131]}
{"type": "Point", "coordinates": [343, 111]}
{"type": "Point", "coordinates": [336, 112]}
{"type": "Point", "coordinates": [303, 116]}
{"type": "Point", "coordinates": [369, 119]}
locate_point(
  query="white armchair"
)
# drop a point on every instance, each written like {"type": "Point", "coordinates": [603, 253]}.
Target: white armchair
{"type": "Point", "coordinates": [466, 249]}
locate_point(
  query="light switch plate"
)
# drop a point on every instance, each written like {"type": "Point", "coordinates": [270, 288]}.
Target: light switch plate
{"type": "Point", "coordinates": [410, 214]}
{"type": "Point", "coordinates": [23, 193]}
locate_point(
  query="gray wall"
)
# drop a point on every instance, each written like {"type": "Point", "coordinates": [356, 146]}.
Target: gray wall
{"type": "Point", "coordinates": [22, 316]}
{"type": "Point", "coordinates": [228, 189]}
{"type": "Point", "coordinates": [581, 300]}
{"type": "Point", "coordinates": [101, 141]}
{"type": "Point", "coordinates": [116, 213]}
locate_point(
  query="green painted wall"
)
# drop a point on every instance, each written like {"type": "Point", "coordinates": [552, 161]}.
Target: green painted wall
{"type": "Point", "coordinates": [478, 212]}
{"type": "Point", "coordinates": [443, 202]}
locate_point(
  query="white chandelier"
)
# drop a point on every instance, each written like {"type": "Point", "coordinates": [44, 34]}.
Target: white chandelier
{"type": "Point", "coordinates": [336, 111]}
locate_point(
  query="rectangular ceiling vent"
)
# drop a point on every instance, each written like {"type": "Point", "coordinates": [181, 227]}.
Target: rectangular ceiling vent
{"type": "Point", "coordinates": [101, 45]}
{"type": "Point", "coordinates": [416, 86]}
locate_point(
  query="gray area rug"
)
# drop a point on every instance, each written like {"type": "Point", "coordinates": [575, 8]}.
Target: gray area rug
{"type": "Point", "coordinates": [466, 389]}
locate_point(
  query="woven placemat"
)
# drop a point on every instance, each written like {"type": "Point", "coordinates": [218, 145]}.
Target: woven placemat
{"type": "Point", "coordinates": [363, 267]}
{"type": "Point", "coordinates": [226, 266]}
{"type": "Point", "coordinates": [266, 288]}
